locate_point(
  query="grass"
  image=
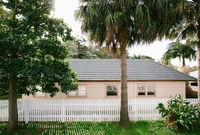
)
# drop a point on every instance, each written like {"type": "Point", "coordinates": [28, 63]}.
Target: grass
{"type": "Point", "coordinates": [95, 128]}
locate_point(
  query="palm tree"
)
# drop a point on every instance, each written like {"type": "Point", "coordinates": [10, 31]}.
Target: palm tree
{"type": "Point", "coordinates": [182, 51]}
{"type": "Point", "coordinates": [120, 23]}
{"type": "Point", "coordinates": [187, 23]}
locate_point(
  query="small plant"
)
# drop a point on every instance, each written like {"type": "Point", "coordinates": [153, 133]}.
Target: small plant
{"type": "Point", "coordinates": [180, 113]}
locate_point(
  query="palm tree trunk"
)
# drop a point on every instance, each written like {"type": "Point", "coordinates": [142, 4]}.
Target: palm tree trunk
{"type": "Point", "coordinates": [124, 117]}
{"type": "Point", "coordinates": [183, 62]}
{"type": "Point", "coordinates": [13, 114]}
{"type": "Point", "coordinates": [198, 53]}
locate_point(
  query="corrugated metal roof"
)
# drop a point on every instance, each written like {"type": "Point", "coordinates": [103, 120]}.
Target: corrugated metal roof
{"type": "Point", "coordinates": [109, 69]}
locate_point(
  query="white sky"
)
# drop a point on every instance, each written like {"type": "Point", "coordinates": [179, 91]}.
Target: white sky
{"type": "Point", "coordinates": [64, 9]}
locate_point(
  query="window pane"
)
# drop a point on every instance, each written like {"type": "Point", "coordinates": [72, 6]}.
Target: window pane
{"type": "Point", "coordinates": [151, 90]}
{"type": "Point", "coordinates": [111, 90]}
{"type": "Point", "coordinates": [82, 90]}
{"type": "Point", "coordinates": [141, 90]}
{"type": "Point", "coordinates": [72, 93]}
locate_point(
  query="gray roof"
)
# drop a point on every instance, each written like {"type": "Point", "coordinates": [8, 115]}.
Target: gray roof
{"type": "Point", "coordinates": [109, 69]}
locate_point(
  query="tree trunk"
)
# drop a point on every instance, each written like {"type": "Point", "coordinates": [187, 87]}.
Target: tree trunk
{"type": "Point", "coordinates": [124, 117]}
{"type": "Point", "coordinates": [183, 62]}
{"type": "Point", "coordinates": [13, 114]}
{"type": "Point", "coordinates": [198, 53]}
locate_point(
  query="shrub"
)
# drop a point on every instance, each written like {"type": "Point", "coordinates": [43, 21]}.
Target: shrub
{"type": "Point", "coordinates": [180, 113]}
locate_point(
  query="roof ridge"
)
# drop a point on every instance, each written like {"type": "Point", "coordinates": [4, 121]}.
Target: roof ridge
{"type": "Point", "coordinates": [111, 59]}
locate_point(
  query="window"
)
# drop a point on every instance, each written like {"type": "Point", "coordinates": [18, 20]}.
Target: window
{"type": "Point", "coordinates": [81, 92]}
{"type": "Point", "coordinates": [146, 90]}
{"type": "Point", "coordinates": [111, 90]}
{"type": "Point", "coordinates": [141, 90]}
{"type": "Point", "coordinates": [193, 84]}
{"type": "Point", "coordinates": [151, 90]}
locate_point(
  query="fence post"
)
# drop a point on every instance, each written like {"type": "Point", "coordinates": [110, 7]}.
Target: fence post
{"type": "Point", "coordinates": [63, 111]}
{"type": "Point", "coordinates": [26, 110]}
{"type": "Point", "coordinates": [135, 110]}
{"type": "Point", "coordinates": [99, 110]}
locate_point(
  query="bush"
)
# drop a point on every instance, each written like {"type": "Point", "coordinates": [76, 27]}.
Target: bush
{"type": "Point", "coordinates": [180, 113]}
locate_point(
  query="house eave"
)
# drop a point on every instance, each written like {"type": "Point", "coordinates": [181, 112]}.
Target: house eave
{"type": "Point", "coordinates": [134, 80]}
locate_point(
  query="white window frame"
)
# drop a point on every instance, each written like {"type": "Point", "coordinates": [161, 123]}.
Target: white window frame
{"type": "Point", "coordinates": [79, 89]}
{"type": "Point", "coordinates": [147, 89]}
{"type": "Point", "coordinates": [146, 86]}
{"type": "Point", "coordinates": [139, 85]}
{"type": "Point", "coordinates": [116, 88]}
{"type": "Point", "coordinates": [77, 94]}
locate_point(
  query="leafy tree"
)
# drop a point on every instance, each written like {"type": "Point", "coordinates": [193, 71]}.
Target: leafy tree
{"type": "Point", "coordinates": [181, 51]}
{"type": "Point", "coordinates": [170, 65]}
{"type": "Point", "coordinates": [3, 13]}
{"type": "Point", "coordinates": [141, 57]}
{"type": "Point", "coordinates": [114, 52]}
{"type": "Point", "coordinates": [80, 51]}
{"type": "Point", "coordinates": [121, 23]}
{"type": "Point", "coordinates": [31, 53]}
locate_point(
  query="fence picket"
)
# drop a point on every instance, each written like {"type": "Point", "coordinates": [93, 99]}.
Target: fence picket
{"type": "Point", "coordinates": [83, 109]}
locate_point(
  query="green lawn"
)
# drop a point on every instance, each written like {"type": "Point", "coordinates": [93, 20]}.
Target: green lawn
{"type": "Point", "coordinates": [95, 128]}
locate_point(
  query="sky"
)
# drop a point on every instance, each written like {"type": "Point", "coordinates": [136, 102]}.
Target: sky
{"type": "Point", "coordinates": [65, 9]}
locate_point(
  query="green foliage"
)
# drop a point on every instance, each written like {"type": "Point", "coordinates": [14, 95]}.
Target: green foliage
{"type": "Point", "coordinates": [77, 50]}
{"type": "Point", "coordinates": [168, 64]}
{"type": "Point", "coordinates": [31, 49]}
{"type": "Point", "coordinates": [141, 57]}
{"type": "Point", "coordinates": [95, 128]}
{"type": "Point", "coordinates": [4, 13]}
{"type": "Point", "coordinates": [186, 21]}
{"type": "Point", "coordinates": [181, 51]}
{"type": "Point", "coordinates": [105, 21]}
{"type": "Point", "coordinates": [183, 114]}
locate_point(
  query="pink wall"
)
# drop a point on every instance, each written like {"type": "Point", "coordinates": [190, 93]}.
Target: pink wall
{"type": "Point", "coordinates": [97, 90]}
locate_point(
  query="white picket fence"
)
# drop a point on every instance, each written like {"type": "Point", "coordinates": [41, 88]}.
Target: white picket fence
{"type": "Point", "coordinates": [83, 109]}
